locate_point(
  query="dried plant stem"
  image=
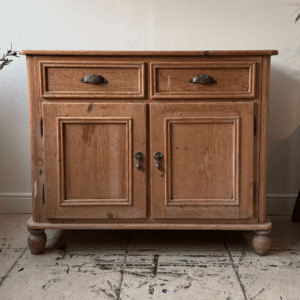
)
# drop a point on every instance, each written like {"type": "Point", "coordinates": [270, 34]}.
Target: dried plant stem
{"type": "Point", "coordinates": [5, 60]}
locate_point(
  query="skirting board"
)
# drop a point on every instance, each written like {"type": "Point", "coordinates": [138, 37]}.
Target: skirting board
{"type": "Point", "coordinates": [14, 203]}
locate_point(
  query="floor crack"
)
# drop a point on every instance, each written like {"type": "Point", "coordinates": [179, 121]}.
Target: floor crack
{"type": "Point", "coordinates": [235, 268]}
{"type": "Point", "coordinates": [257, 294]}
{"type": "Point", "coordinates": [17, 260]}
{"type": "Point", "coordinates": [118, 292]}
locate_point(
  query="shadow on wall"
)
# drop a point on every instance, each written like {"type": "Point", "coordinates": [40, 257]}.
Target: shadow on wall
{"type": "Point", "coordinates": [284, 153]}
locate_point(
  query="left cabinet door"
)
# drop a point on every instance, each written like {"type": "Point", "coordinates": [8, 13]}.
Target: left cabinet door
{"type": "Point", "coordinates": [90, 169]}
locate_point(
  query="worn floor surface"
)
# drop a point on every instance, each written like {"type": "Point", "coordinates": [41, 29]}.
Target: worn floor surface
{"type": "Point", "coordinates": [141, 265]}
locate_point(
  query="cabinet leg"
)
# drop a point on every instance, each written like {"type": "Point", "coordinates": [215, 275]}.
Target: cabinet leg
{"type": "Point", "coordinates": [261, 241]}
{"type": "Point", "coordinates": [37, 240]}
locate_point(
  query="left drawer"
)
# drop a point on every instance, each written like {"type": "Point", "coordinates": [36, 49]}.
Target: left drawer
{"type": "Point", "coordinates": [63, 79]}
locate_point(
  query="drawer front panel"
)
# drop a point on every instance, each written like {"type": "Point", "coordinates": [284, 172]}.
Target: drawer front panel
{"type": "Point", "coordinates": [64, 80]}
{"type": "Point", "coordinates": [231, 80]}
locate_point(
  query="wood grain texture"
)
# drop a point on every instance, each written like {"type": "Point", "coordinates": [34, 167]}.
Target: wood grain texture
{"type": "Point", "coordinates": [154, 225]}
{"type": "Point", "coordinates": [62, 79]}
{"type": "Point", "coordinates": [89, 160]}
{"type": "Point", "coordinates": [263, 157]}
{"type": "Point", "coordinates": [261, 242]}
{"type": "Point", "coordinates": [104, 148]}
{"type": "Point", "coordinates": [196, 172]}
{"type": "Point", "coordinates": [234, 80]}
{"type": "Point", "coordinates": [151, 53]}
{"type": "Point", "coordinates": [192, 169]}
{"type": "Point", "coordinates": [32, 115]}
{"type": "Point", "coordinates": [78, 210]}
{"type": "Point", "coordinates": [202, 212]}
{"type": "Point", "coordinates": [37, 240]}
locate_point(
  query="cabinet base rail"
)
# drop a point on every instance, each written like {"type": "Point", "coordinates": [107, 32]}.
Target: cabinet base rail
{"type": "Point", "coordinates": [261, 240]}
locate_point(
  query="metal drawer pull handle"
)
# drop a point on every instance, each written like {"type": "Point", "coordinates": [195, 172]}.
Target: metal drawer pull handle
{"type": "Point", "coordinates": [157, 156]}
{"type": "Point", "coordinates": [203, 79]}
{"type": "Point", "coordinates": [94, 78]}
{"type": "Point", "coordinates": [139, 156]}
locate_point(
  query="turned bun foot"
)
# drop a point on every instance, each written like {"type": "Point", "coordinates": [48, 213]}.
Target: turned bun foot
{"type": "Point", "coordinates": [261, 242]}
{"type": "Point", "coordinates": [37, 240]}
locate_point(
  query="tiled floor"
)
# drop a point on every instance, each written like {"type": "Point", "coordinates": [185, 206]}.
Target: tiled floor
{"type": "Point", "coordinates": [140, 265]}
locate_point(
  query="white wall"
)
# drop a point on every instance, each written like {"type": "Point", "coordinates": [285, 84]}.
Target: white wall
{"type": "Point", "coordinates": [152, 25]}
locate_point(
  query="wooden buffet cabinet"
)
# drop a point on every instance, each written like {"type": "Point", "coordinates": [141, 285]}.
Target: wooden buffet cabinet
{"type": "Point", "coordinates": [149, 140]}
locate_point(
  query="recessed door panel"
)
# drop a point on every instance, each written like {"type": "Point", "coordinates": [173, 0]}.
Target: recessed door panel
{"type": "Point", "coordinates": [202, 160]}
{"type": "Point", "coordinates": [104, 149]}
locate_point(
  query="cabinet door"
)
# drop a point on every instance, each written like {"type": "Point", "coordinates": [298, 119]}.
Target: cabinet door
{"type": "Point", "coordinates": [90, 168]}
{"type": "Point", "coordinates": [207, 165]}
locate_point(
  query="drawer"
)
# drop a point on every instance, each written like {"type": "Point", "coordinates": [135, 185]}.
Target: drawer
{"type": "Point", "coordinates": [63, 79]}
{"type": "Point", "coordinates": [226, 79]}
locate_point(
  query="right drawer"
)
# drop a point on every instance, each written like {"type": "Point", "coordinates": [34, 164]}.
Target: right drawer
{"type": "Point", "coordinates": [224, 79]}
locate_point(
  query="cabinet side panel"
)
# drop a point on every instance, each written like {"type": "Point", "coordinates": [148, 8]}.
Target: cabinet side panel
{"type": "Point", "coordinates": [262, 194]}
{"type": "Point", "coordinates": [257, 113]}
{"type": "Point", "coordinates": [246, 169]}
{"type": "Point", "coordinates": [32, 110]}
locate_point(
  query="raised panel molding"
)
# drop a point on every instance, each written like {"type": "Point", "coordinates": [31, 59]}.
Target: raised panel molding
{"type": "Point", "coordinates": [208, 173]}
{"type": "Point", "coordinates": [234, 80]}
{"type": "Point", "coordinates": [127, 79]}
{"type": "Point", "coordinates": [89, 149]}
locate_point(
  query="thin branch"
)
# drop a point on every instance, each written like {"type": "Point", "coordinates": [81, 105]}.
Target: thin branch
{"type": "Point", "coordinates": [4, 58]}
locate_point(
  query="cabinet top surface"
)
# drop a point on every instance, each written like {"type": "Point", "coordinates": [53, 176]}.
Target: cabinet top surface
{"type": "Point", "coordinates": [150, 53]}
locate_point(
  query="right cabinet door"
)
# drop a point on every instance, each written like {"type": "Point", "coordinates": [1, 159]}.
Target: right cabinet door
{"type": "Point", "coordinates": [207, 166]}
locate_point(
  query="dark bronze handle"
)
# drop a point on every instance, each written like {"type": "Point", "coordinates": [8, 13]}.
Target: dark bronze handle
{"type": "Point", "coordinates": [139, 156]}
{"type": "Point", "coordinates": [157, 156]}
{"type": "Point", "coordinates": [94, 78]}
{"type": "Point", "coordinates": [203, 79]}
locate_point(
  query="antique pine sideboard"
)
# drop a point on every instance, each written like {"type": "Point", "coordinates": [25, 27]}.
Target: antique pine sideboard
{"type": "Point", "coordinates": [149, 140]}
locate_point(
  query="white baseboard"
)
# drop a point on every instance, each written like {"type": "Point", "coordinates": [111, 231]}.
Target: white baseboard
{"type": "Point", "coordinates": [277, 204]}
{"type": "Point", "coordinates": [16, 203]}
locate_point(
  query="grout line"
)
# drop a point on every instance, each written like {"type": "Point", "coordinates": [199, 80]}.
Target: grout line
{"type": "Point", "coordinates": [10, 269]}
{"type": "Point", "coordinates": [235, 268]}
{"type": "Point", "coordinates": [124, 265]}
